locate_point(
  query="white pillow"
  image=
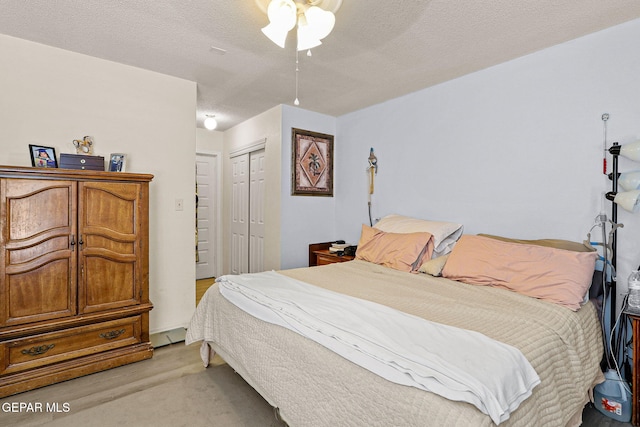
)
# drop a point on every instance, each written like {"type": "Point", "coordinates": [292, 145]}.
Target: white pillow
{"type": "Point", "coordinates": [445, 234]}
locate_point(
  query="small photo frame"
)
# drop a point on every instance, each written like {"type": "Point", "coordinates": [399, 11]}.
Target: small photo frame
{"type": "Point", "coordinates": [312, 163]}
{"type": "Point", "coordinates": [117, 162]}
{"type": "Point", "coordinates": [43, 157]}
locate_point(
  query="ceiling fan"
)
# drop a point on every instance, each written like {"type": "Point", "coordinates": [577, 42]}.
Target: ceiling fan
{"type": "Point", "coordinates": [315, 20]}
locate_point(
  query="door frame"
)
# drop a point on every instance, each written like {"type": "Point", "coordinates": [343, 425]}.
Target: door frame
{"type": "Point", "coordinates": [218, 208]}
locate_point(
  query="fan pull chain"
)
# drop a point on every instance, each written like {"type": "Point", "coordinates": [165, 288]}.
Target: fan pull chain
{"type": "Point", "coordinates": [297, 102]}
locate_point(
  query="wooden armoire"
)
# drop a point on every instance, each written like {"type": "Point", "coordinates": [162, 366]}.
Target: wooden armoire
{"type": "Point", "coordinates": [74, 274]}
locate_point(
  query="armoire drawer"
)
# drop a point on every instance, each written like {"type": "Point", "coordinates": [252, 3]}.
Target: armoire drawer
{"type": "Point", "coordinates": [53, 347]}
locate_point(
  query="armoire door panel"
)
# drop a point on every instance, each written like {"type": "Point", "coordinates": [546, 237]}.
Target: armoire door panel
{"type": "Point", "coordinates": [115, 286]}
{"type": "Point", "coordinates": [37, 261]}
{"type": "Point", "coordinates": [110, 245]}
{"type": "Point", "coordinates": [39, 294]}
{"type": "Point", "coordinates": [109, 221]}
{"type": "Point", "coordinates": [24, 254]}
{"type": "Point", "coordinates": [110, 206]}
{"type": "Point", "coordinates": [38, 207]}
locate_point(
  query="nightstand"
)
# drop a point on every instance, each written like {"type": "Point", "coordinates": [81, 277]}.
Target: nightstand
{"type": "Point", "coordinates": [319, 255]}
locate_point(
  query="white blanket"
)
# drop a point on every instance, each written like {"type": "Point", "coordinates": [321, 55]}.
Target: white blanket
{"type": "Point", "coordinates": [455, 363]}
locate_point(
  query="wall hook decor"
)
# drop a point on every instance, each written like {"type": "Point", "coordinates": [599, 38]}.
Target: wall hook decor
{"type": "Point", "coordinates": [373, 171]}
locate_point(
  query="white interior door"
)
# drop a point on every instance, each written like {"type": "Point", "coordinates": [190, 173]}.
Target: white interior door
{"type": "Point", "coordinates": [240, 214]}
{"type": "Point", "coordinates": [256, 211]}
{"type": "Point", "coordinates": [208, 212]}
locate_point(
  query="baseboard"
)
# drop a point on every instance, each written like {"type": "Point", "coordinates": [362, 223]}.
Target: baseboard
{"type": "Point", "coordinates": [173, 336]}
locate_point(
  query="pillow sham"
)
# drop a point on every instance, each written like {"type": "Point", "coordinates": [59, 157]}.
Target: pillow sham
{"type": "Point", "coordinates": [555, 275]}
{"type": "Point", "coordinates": [445, 234]}
{"type": "Point", "coordinates": [400, 251]}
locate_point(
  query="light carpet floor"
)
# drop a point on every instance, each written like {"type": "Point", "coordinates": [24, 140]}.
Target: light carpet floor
{"type": "Point", "coordinates": [171, 389]}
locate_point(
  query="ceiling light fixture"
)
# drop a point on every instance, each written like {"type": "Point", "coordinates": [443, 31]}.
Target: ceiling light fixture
{"type": "Point", "coordinates": [210, 122]}
{"type": "Point", "coordinates": [315, 20]}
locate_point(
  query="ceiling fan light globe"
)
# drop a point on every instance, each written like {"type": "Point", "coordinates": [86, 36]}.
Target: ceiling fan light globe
{"type": "Point", "coordinates": [320, 22]}
{"type": "Point", "coordinates": [306, 38]}
{"type": "Point", "coordinates": [283, 14]}
{"type": "Point", "coordinates": [276, 34]}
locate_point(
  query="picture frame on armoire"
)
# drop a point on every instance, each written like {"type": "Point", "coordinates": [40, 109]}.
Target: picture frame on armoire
{"type": "Point", "coordinates": [43, 157]}
{"type": "Point", "coordinates": [117, 162]}
{"type": "Point", "coordinates": [311, 163]}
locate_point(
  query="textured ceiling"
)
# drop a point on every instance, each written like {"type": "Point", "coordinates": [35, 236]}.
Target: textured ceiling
{"type": "Point", "coordinates": [379, 49]}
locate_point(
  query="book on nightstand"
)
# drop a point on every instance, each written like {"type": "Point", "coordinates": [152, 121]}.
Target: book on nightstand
{"type": "Point", "coordinates": [338, 247]}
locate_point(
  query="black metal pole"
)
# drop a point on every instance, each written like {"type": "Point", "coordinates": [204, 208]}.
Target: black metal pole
{"type": "Point", "coordinates": [614, 243]}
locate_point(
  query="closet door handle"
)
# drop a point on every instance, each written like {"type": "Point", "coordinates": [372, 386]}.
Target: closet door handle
{"type": "Point", "coordinates": [73, 242]}
{"type": "Point", "coordinates": [80, 241]}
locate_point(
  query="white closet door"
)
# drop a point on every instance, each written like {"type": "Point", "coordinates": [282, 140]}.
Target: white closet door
{"type": "Point", "coordinates": [256, 211]}
{"type": "Point", "coordinates": [207, 180]}
{"type": "Point", "coordinates": [240, 214]}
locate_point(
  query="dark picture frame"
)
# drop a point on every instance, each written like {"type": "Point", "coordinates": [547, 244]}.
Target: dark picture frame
{"type": "Point", "coordinates": [117, 162]}
{"type": "Point", "coordinates": [43, 157]}
{"type": "Point", "coordinates": [312, 163]}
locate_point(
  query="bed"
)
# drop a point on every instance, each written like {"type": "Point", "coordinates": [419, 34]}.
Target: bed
{"type": "Point", "coordinates": [311, 385]}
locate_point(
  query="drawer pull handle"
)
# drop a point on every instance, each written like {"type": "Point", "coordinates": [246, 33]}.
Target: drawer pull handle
{"type": "Point", "coordinates": [39, 350]}
{"type": "Point", "coordinates": [111, 334]}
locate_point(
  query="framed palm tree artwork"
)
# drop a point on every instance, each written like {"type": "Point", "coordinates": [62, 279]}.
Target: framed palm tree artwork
{"type": "Point", "coordinates": [312, 163]}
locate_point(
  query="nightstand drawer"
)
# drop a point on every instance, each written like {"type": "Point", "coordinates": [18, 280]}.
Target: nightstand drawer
{"type": "Point", "coordinates": [53, 347]}
{"type": "Point", "coordinates": [326, 257]}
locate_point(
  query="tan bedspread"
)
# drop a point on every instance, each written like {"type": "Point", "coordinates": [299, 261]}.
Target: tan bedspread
{"type": "Point", "coordinates": [313, 386]}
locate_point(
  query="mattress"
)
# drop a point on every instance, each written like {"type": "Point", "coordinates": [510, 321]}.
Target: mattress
{"type": "Point", "coordinates": [312, 386]}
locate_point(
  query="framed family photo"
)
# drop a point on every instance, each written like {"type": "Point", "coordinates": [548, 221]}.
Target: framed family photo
{"type": "Point", "coordinates": [312, 163]}
{"type": "Point", "coordinates": [117, 162]}
{"type": "Point", "coordinates": [43, 157]}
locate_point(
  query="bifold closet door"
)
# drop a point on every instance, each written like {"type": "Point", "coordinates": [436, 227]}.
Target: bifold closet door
{"type": "Point", "coordinates": [240, 214]}
{"type": "Point", "coordinates": [247, 212]}
{"type": "Point", "coordinates": [256, 211]}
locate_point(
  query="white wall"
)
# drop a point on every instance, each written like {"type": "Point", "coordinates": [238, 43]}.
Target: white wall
{"type": "Point", "coordinates": [515, 149]}
{"type": "Point", "coordinates": [209, 141]}
{"type": "Point", "coordinates": [52, 96]}
{"type": "Point", "coordinates": [305, 219]}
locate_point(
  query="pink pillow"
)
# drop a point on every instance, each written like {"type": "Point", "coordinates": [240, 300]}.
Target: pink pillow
{"type": "Point", "coordinates": [400, 251]}
{"type": "Point", "coordinates": [556, 275]}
